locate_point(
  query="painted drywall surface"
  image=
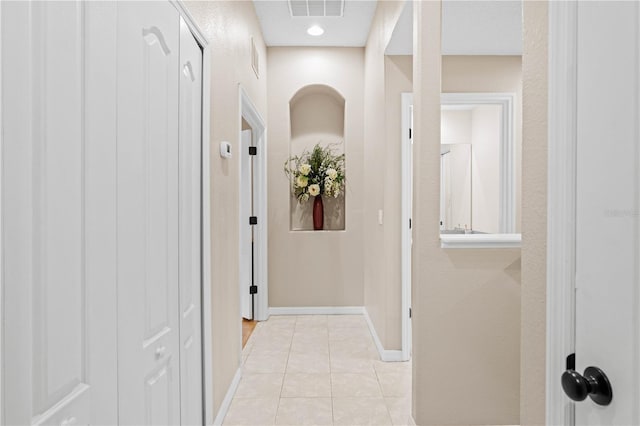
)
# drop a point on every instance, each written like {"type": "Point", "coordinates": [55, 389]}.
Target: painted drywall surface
{"type": "Point", "coordinates": [490, 74]}
{"type": "Point", "coordinates": [229, 27]}
{"type": "Point", "coordinates": [466, 303]}
{"type": "Point", "coordinates": [314, 268]}
{"type": "Point", "coordinates": [383, 83]}
{"type": "Point", "coordinates": [485, 205]}
{"type": "Point", "coordinates": [534, 214]}
{"type": "Point", "coordinates": [455, 126]}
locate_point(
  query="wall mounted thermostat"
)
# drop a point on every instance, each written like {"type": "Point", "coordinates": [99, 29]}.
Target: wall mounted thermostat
{"type": "Point", "coordinates": [225, 149]}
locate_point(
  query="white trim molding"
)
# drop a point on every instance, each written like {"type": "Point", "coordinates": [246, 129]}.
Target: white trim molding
{"type": "Point", "coordinates": [405, 222]}
{"type": "Point", "coordinates": [472, 241]}
{"type": "Point", "coordinates": [193, 26]}
{"type": "Point", "coordinates": [317, 310]}
{"type": "Point", "coordinates": [561, 205]}
{"type": "Point", "coordinates": [250, 113]}
{"type": "Point", "coordinates": [226, 402]}
{"type": "Point", "coordinates": [205, 185]}
{"type": "Point", "coordinates": [207, 309]}
{"type": "Point", "coordinates": [507, 219]}
{"type": "Point", "coordinates": [2, 208]}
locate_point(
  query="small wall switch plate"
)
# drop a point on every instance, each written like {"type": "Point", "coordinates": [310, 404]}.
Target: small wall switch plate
{"type": "Point", "coordinates": [225, 149]}
{"type": "Point", "coordinates": [380, 217]}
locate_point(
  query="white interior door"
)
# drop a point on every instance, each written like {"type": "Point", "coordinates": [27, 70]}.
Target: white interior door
{"type": "Point", "coordinates": [247, 271]}
{"type": "Point", "coordinates": [148, 213]}
{"type": "Point", "coordinates": [190, 207]}
{"type": "Point", "coordinates": [59, 242]}
{"type": "Point", "coordinates": [608, 183]}
{"type": "Point", "coordinates": [406, 231]}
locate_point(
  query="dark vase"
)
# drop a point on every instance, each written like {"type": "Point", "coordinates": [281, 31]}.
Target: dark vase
{"type": "Point", "coordinates": [318, 213]}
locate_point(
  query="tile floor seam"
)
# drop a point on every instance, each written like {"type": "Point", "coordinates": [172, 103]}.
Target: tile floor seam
{"type": "Point", "coordinates": [306, 388]}
{"type": "Point", "coordinates": [286, 366]}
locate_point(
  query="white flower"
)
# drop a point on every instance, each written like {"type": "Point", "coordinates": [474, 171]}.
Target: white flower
{"type": "Point", "coordinates": [336, 189]}
{"type": "Point", "coordinates": [314, 189]}
{"type": "Point", "coordinates": [302, 181]}
{"type": "Point", "coordinates": [332, 173]}
{"type": "Point", "coordinates": [305, 169]}
{"type": "Point", "coordinates": [304, 198]}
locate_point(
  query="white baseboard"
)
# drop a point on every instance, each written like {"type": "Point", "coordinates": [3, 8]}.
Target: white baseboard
{"type": "Point", "coordinates": [226, 403]}
{"type": "Point", "coordinates": [385, 355]}
{"type": "Point", "coordinates": [317, 310]}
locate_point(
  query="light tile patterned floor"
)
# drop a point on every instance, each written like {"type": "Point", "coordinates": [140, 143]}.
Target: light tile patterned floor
{"type": "Point", "coordinates": [319, 370]}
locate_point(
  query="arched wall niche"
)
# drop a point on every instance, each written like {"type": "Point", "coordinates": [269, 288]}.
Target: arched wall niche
{"type": "Point", "coordinates": [316, 114]}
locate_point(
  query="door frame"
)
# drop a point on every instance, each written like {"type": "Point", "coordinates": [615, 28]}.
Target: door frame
{"type": "Point", "coordinates": [205, 199]}
{"type": "Point", "coordinates": [2, 419]}
{"type": "Point", "coordinates": [250, 113]}
{"type": "Point", "coordinates": [405, 231]}
{"type": "Point", "coordinates": [561, 205]}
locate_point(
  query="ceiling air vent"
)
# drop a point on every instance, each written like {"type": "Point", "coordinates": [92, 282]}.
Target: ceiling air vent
{"type": "Point", "coordinates": [320, 8]}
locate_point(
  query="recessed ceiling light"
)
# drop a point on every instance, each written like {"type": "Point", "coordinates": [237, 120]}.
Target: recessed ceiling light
{"type": "Point", "coordinates": [315, 30]}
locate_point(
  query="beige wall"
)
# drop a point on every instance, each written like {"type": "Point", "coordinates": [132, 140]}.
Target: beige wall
{"type": "Point", "coordinates": [230, 66]}
{"type": "Point", "coordinates": [534, 214]}
{"type": "Point", "coordinates": [466, 303]}
{"type": "Point", "coordinates": [315, 268]}
{"type": "Point", "coordinates": [383, 83]}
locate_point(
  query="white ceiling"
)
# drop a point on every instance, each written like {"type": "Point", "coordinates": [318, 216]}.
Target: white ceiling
{"type": "Point", "coordinates": [479, 27]}
{"type": "Point", "coordinates": [280, 29]}
{"type": "Point", "coordinates": [469, 27]}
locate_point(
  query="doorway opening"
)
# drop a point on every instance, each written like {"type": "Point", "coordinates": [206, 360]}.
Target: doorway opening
{"type": "Point", "coordinates": [406, 222]}
{"type": "Point", "coordinates": [253, 218]}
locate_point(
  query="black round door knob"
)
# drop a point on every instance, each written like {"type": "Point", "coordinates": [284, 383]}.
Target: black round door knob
{"type": "Point", "coordinates": [593, 384]}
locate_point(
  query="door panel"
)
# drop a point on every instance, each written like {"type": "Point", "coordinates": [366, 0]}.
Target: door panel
{"type": "Point", "coordinates": [159, 396]}
{"type": "Point", "coordinates": [246, 237]}
{"type": "Point", "coordinates": [50, 359]}
{"type": "Point", "coordinates": [148, 153]}
{"type": "Point", "coordinates": [190, 196]}
{"type": "Point", "coordinates": [607, 295]}
{"type": "Point", "coordinates": [100, 207]}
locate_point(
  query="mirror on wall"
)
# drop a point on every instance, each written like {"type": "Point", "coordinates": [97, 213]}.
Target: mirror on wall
{"type": "Point", "coordinates": [477, 165]}
{"type": "Point", "coordinates": [455, 188]}
{"type": "Point", "coordinates": [481, 124]}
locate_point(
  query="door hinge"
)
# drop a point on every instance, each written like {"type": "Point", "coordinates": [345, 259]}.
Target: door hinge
{"type": "Point", "coordinates": [253, 150]}
{"type": "Point", "coordinates": [253, 289]}
{"type": "Point", "coordinates": [409, 132]}
{"type": "Point", "coordinates": [410, 313]}
{"type": "Point", "coordinates": [253, 220]}
{"type": "Point", "coordinates": [571, 362]}
{"type": "Point", "coordinates": [409, 223]}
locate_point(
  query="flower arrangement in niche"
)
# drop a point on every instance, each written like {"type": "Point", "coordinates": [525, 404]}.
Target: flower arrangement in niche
{"type": "Point", "coordinates": [318, 173]}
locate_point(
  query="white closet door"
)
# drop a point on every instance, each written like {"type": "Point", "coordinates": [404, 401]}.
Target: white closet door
{"type": "Point", "coordinates": [190, 273]}
{"type": "Point", "coordinates": [148, 209]}
{"type": "Point", "coordinates": [59, 364]}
